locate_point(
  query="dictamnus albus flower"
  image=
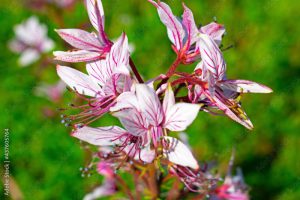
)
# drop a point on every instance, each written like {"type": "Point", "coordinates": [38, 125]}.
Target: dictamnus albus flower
{"type": "Point", "coordinates": [184, 34]}
{"type": "Point", "coordinates": [234, 186]}
{"type": "Point", "coordinates": [106, 80]}
{"type": "Point", "coordinates": [108, 187]}
{"type": "Point", "coordinates": [31, 41]}
{"type": "Point", "coordinates": [88, 46]}
{"type": "Point", "coordinates": [146, 123]}
{"type": "Point", "coordinates": [217, 90]}
{"type": "Point", "coordinates": [52, 92]}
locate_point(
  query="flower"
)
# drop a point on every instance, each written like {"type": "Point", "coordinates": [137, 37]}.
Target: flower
{"type": "Point", "coordinates": [184, 33]}
{"type": "Point", "coordinates": [89, 46]}
{"type": "Point", "coordinates": [106, 79]}
{"type": "Point", "coordinates": [109, 187]}
{"type": "Point", "coordinates": [146, 121]}
{"type": "Point", "coordinates": [31, 41]}
{"type": "Point", "coordinates": [233, 188]}
{"type": "Point", "coordinates": [52, 92]}
{"type": "Point", "coordinates": [219, 91]}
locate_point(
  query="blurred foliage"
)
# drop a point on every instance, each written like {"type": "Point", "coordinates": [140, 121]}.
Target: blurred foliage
{"type": "Point", "coordinates": [45, 160]}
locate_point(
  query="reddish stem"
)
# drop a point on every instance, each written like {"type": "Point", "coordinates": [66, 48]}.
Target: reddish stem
{"type": "Point", "coordinates": [135, 71]}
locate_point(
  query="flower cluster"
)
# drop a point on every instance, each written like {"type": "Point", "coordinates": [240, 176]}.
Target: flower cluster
{"type": "Point", "coordinates": [150, 111]}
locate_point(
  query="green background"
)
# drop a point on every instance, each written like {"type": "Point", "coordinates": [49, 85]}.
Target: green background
{"type": "Point", "coordinates": [45, 160]}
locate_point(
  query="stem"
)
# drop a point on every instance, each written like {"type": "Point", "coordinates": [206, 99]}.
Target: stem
{"type": "Point", "coordinates": [170, 72]}
{"type": "Point", "coordinates": [135, 71]}
{"type": "Point", "coordinates": [173, 67]}
{"type": "Point", "coordinates": [125, 187]}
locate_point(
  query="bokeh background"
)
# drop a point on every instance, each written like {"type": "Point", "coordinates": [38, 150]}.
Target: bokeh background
{"type": "Point", "coordinates": [45, 160]}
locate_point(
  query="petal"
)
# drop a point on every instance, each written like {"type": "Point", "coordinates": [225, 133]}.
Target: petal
{"type": "Point", "coordinates": [76, 56]}
{"type": "Point", "coordinates": [212, 57]}
{"type": "Point", "coordinates": [244, 86]}
{"type": "Point", "coordinates": [180, 116]}
{"type": "Point", "coordinates": [149, 104]}
{"type": "Point", "coordinates": [126, 100]}
{"type": "Point", "coordinates": [189, 23]}
{"type": "Point", "coordinates": [80, 39]}
{"type": "Point", "coordinates": [96, 15]}
{"type": "Point", "coordinates": [147, 155]}
{"type": "Point", "coordinates": [133, 121]}
{"type": "Point", "coordinates": [28, 57]}
{"type": "Point", "coordinates": [102, 136]}
{"type": "Point", "coordinates": [169, 99]}
{"type": "Point", "coordinates": [117, 84]}
{"type": "Point", "coordinates": [215, 31]}
{"type": "Point", "coordinates": [98, 71]}
{"type": "Point", "coordinates": [78, 81]}
{"type": "Point", "coordinates": [175, 30]}
{"type": "Point", "coordinates": [179, 153]}
{"type": "Point", "coordinates": [234, 111]}
{"type": "Point", "coordinates": [119, 54]}
{"type": "Point", "coordinates": [47, 45]}
{"type": "Point", "coordinates": [115, 62]}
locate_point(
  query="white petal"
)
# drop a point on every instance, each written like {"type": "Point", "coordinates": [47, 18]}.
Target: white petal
{"type": "Point", "coordinates": [149, 104]}
{"type": "Point", "coordinates": [179, 153]}
{"type": "Point", "coordinates": [215, 31]}
{"type": "Point", "coordinates": [119, 54]}
{"type": "Point", "coordinates": [147, 155]}
{"type": "Point", "coordinates": [189, 22]}
{"type": "Point", "coordinates": [78, 81]}
{"type": "Point", "coordinates": [212, 57]}
{"type": "Point", "coordinates": [180, 116]}
{"type": "Point", "coordinates": [76, 56]}
{"type": "Point", "coordinates": [105, 136]}
{"type": "Point", "coordinates": [126, 100]}
{"type": "Point", "coordinates": [174, 28]}
{"type": "Point", "coordinates": [115, 62]}
{"type": "Point", "coordinates": [133, 121]}
{"type": "Point", "coordinates": [169, 99]}
{"type": "Point", "coordinates": [94, 17]}
{"type": "Point", "coordinates": [80, 39]}
{"type": "Point", "coordinates": [244, 86]}
{"type": "Point", "coordinates": [98, 71]}
{"type": "Point", "coordinates": [47, 45]}
{"type": "Point", "coordinates": [28, 57]}
{"type": "Point", "coordinates": [235, 112]}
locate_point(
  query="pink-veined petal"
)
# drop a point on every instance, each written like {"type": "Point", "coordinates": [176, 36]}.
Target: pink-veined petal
{"type": "Point", "coordinates": [169, 99]}
{"type": "Point", "coordinates": [98, 71]}
{"type": "Point", "coordinates": [96, 15]}
{"type": "Point", "coordinates": [233, 111]}
{"type": "Point", "coordinates": [80, 39]}
{"type": "Point", "coordinates": [178, 153]}
{"type": "Point", "coordinates": [180, 116]}
{"type": "Point", "coordinates": [119, 54]}
{"type": "Point", "coordinates": [189, 22]}
{"type": "Point", "coordinates": [244, 86]}
{"type": "Point", "coordinates": [78, 81]}
{"type": "Point", "coordinates": [175, 30]}
{"type": "Point", "coordinates": [115, 62]}
{"type": "Point", "coordinates": [212, 57]}
{"type": "Point", "coordinates": [126, 100]}
{"type": "Point", "coordinates": [102, 136]}
{"type": "Point", "coordinates": [76, 56]}
{"type": "Point", "coordinates": [149, 104]}
{"type": "Point", "coordinates": [215, 31]}
{"type": "Point", "coordinates": [133, 121]}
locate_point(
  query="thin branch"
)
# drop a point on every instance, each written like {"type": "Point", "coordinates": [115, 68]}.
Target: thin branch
{"type": "Point", "coordinates": [135, 71]}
